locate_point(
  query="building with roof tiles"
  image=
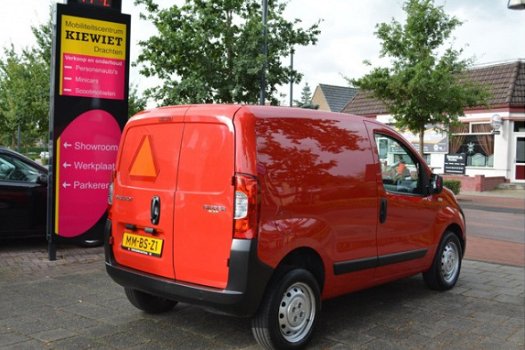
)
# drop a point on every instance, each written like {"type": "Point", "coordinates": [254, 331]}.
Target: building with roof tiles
{"type": "Point", "coordinates": [491, 137]}
{"type": "Point", "coordinates": [332, 98]}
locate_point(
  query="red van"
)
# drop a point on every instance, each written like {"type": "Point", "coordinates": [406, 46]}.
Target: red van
{"type": "Point", "coordinates": [264, 212]}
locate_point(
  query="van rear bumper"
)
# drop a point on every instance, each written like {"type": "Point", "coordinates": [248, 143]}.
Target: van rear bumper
{"type": "Point", "coordinates": [247, 282]}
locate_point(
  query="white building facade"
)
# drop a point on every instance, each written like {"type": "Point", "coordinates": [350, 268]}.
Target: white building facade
{"type": "Point", "coordinates": [492, 138]}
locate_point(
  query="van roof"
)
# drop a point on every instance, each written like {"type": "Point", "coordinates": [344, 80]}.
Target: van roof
{"type": "Point", "coordinates": [229, 111]}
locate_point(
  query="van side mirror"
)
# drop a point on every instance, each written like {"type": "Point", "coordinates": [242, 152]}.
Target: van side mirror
{"type": "Point", "coordinates": [436, 184]}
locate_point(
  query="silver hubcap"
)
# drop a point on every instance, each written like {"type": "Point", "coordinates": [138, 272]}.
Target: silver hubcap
{"type": "Point", "coordinates": [296, 312]}
{"type": "Point", "coordinates": [450, 262]}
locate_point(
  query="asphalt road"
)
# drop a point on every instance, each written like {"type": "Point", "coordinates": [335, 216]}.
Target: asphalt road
{"type": "Point", "coordinates": [507, 224]}
{"type": "Point", "coordinates": [495, 226]}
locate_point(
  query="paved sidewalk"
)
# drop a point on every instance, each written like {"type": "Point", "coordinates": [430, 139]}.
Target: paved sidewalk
{"type": "Point", "coordinates": [72, 304]}
{"type": "Point", "coordinates": [495, 251]}
{"type": "Point", "coordinates": [517, 194]}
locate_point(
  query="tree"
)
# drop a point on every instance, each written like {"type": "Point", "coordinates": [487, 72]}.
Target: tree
{"type": "Point", "coordinates": [24, 97]}
{"type": "Point", "coordinates": [210, 51]}
{"type": "Point", "coordinates": [24, 89]}
{"type": "Point", "coordinates": [136, 103]}
{"type": "Point", "coordinates": [423, 86]}
{"type": "Point", "coordinates": [306, 99]}
{"type": "Point", "coordinates": [44, 39]}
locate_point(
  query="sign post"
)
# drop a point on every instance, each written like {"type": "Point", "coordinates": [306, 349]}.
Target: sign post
{"type": "Point", "coordinates": [455, 163]}
{"type": "Point", "coordinates": [89, 107]}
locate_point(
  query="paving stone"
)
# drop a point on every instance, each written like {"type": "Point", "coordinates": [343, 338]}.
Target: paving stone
{"type": "Point", "coordinates": [518, 337]}
{"type": "Point", "coordinates": [510, 299]}
{"type": "Point", "coordinates": [30, 326]}
{"type": "Point", "coordinates": [127, 339]}
{"type": "Point", "coordinates": [10, 338]}
{"type": "Point", "coordinates": [53, 335]}
{"type": "Point", "coordinates": [80, 342]}
{"type": "Point", "coordinates": [349, 338]}
{"type": "Point", "coordinates": [27, 345]}
{"type": "Point", "coordinates": [101, 330]}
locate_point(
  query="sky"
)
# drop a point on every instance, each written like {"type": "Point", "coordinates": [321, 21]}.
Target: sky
{"type": "Point", "coordinates": [490, 33]}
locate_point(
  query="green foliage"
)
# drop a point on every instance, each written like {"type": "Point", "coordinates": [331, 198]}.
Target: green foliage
{"type": "Point", "coordinates": [24, 96]}
{"type": "Point", "coordinates": [210, 51]}
{"type": "Point", "coordinates": [136, 103]}
{"type": "Point", "coordinates": [306, 99]}
{"type": "Point", "coordinates": [44, 39]}
{"type": "Point", "coordinates": [453, 185]}
{"type": "Point", "coordinates": [422, 87]}
{"type": "Point", "coordinates": [24, 89]}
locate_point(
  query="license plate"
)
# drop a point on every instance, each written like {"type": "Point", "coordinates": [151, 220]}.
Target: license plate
{"type": "Point", "coordinates": [142, 244]}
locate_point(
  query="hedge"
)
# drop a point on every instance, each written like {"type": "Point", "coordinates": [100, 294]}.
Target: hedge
{"type": "Point", "coordinates": [453, 185]}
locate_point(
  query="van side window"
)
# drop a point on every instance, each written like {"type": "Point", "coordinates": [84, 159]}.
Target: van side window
{"type": "Point", "coordinates": [399, 170]}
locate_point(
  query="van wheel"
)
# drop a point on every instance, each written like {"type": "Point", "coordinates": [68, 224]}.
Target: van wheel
{"type": "Point", "coordinates": [289, 311]}
{"type": "Point", "coordinates": [444, 272]}
{"type": "Point", "coordinates": [149, 303]}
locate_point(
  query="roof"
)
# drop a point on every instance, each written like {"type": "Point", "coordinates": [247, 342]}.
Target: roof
{"type": "Point", "coordinates": [505, 83]}
{"type": "Point", "coordinates": [364, 104]}
{"type": "Point", "coordinates": [337, 96]}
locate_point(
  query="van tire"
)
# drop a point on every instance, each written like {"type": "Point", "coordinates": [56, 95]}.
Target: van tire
{"type": "Point", "coordinates": [149, 303]}
{"type": "Point", "coordinates": [444, 272]}
{"type": "Point", "coordinates": [289, 311]}
{"type": "Point", "coordinates": [91, 243]}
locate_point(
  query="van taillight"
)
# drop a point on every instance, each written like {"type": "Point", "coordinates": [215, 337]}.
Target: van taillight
{"type": "Point", "coordinates": [246, 208]}
{"type": "Point", "coordinates": [111, 187]}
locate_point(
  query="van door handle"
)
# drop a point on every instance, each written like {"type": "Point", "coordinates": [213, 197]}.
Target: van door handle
{"type": "Point", "coordinates": [383, 210]}
{"type": "Point", "coordinates": [155, 210]}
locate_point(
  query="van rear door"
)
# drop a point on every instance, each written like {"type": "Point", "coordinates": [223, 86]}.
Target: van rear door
{"type": "Point", "coordinates": [179, 162]}
{"type": "Point", "coordinates": [203, 220]}
{"type": "Point", "coordinates": [147, 172]}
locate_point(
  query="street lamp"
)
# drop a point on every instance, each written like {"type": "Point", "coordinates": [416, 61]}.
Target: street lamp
{"type": "Point", "coordinates": [496, 122]}
{"type": "Point", "coordinates": [291, 76]}
{"type": "Point", "coordinates": [516, 4]}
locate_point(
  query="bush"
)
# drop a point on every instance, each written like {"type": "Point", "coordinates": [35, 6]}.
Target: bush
{"type": "Point", "coordinates": [453, 185]}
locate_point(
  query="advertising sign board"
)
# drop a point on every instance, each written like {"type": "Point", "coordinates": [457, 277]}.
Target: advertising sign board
{"type": "Point", "coordinates": [455, 163]}
{"type": "Point", "coordinates": [93, 58]}
{"type": "Point", "coordinates": [434, 141]}
{"type": "Point", "coordinates": [89, 109]}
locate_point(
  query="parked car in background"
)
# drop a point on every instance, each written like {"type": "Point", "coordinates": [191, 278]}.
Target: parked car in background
{"type": "Point", "coordinates": [23, 196]}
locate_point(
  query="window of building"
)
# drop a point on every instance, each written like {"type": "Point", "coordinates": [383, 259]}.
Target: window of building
{"type": "Point", "coordinates": [519, 126]}
{"type": "Point", "coordinates": [476, 141]}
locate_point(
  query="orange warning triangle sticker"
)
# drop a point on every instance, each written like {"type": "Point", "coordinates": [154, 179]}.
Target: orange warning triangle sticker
{"type": "Point", "coordinates": [143, 164]}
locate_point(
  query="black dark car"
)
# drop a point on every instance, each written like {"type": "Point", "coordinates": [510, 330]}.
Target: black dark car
{"type": "Point", "coordinates": [23, 199]}
{"type": "Point", "coordinates": [23, 196]}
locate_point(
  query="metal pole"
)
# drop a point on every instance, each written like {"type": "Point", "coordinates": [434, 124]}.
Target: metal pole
{"type": "Point", "coordinates": [50, 235]}
{"type": "Point", "coordinates": [291, 77]}
{"type": "Point", "coordinates": [264, 51]}
{"type": "Point", "coordinates": [18, 139]}
{"type": "Point", "coordinates": [50, 232]}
